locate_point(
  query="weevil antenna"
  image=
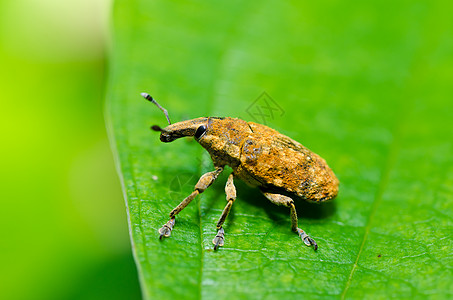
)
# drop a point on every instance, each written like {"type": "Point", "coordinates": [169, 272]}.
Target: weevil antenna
{"type": "Point", "coordinates": [157, 128]}
{"type": "Point", "coordinates": [151, 99]}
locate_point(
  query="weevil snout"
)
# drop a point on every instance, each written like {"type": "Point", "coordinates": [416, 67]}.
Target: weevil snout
{"type": "Point", "coordinates": [195, 127]}
{"type": "Point", "coordinates": [165, 136]}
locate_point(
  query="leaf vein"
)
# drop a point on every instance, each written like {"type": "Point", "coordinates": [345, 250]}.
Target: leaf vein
{"type": "Point", "coordinates": [391, 158]}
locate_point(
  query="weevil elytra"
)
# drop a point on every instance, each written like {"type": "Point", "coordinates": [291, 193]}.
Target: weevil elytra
{"type": "Point", "coordinates": [260, 156]}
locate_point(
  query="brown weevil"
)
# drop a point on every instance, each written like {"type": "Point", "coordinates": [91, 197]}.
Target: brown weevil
{"type": "Point", "coordinates": [260, 156]}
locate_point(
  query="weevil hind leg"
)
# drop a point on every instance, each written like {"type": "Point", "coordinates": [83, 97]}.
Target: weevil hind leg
{"type": "Point", "coordinates": [219, 239]}
{"type": "Point", "coordinates": [230, 191]}
{"type": "Point", "coordinates": [203, 183]}
{"type": "Point", "coordinates": [306, 239]}
{"type": "Point", "coordinates": [165, 231]}
{"type": "Point", "coordinates": [279, 199]}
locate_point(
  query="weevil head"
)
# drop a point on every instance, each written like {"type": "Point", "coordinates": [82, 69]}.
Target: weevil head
{"type": "Point", "coordinates": [221, 137]}
{"type": "Point", "coordinates": [195, 127]}
{"type": "Point", "coordinates": [204, 130]}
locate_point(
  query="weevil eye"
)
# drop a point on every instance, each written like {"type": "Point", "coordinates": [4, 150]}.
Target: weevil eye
{"type": "Point", "coordinates": [200, 131]}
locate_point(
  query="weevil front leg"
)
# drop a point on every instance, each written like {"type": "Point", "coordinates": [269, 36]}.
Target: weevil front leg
{"type": "Point", "coordinates": [279, 199]}
{"type": "Point", "coordinates": [203, 183]}
{"type": "Point", "coordinates": [230, 191]}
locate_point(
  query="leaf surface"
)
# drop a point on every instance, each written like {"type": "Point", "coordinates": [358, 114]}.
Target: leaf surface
{"type": "Point", "coordinates": [366, 87]}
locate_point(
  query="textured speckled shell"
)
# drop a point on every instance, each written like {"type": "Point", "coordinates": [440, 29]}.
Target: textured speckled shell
{"type": "Point", "coordinates": [263, 157]}
{"type": "Point", "coordinates": [277, 161]}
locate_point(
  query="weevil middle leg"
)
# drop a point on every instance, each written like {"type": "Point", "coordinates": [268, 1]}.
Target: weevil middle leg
{"type": "Point", "coordinates": [230, 191]}
{"type": "Point", "coordinates": [279, 199]}
{"type": "Point", "coordinates": [203, 183]}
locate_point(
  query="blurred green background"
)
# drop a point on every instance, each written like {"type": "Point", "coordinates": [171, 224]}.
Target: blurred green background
{"type": "Point", "coordinates": [63, 220]}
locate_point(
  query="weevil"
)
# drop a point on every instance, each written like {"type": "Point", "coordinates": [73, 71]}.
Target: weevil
{"type": "Point", "coordinates": [280, 167]}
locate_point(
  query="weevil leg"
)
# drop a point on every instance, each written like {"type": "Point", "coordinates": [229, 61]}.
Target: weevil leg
{"type": "Point", "coordinates": [230, 191]}
{"type": "Point", "coordinates": [203, 183]}
{"type": "Point", "coordinates": [165, 231]}
{"type": "Point", "coordinates": [279, 199]}
{"type": "Point", "coordinates": [219, 239]}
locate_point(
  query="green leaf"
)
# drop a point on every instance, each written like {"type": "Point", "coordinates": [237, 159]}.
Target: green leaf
{"type": "Point", "coordinates": [367, 86]}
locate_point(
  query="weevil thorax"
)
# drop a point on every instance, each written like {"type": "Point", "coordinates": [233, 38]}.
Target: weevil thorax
{"type": "Point", "coordinates": [182, 129]}
{"type": "Point", "coordinates": [223, 138]}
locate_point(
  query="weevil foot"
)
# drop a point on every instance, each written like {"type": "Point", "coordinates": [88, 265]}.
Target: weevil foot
{"type": "Point", "coordinates": [165, 231]}
{"type": "Point", "coordinates": [219, 238]}
{"type": "Point", "coordinates": [306, 239]}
